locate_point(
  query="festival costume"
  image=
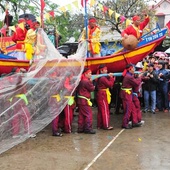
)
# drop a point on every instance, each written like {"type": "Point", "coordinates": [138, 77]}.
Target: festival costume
{"type": "Point", "coordinates": [18, 37]}
{"type": "Point", "coordinates": [69, 109]}
{"type": "Point", "coordinates": [103, 101]}
{"type": "Point", "coordinates": [84, 105]}
{"type": "Point", "coordinates": [21, 112]}
{"type": "Point", "coordinates": [137, 102]}
{"type": "Point", "coordinates": [129, 83]}
{"type": "Point", "coordinates": [29, 42]}
{"type": "Point", "coordinates": [136, 31]}
{"type": "Point", "coordinates": [94, 45]}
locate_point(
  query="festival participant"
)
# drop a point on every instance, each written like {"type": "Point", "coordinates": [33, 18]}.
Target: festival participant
{"type": "Point", "coordinates": [129, 83]}
{"type": "Point", "coordinates": [69, 108]}
{"type": "Point", "coordinates": [93, 38]}
{"type": "Point", "coordinates": [84, 89]}
{"type": "Point", "coordinates": [104, 98]}
{"type": "Point", "coordinates": [136, 28]}
{"type": "Point", "coordinates": [30, 40]}
{"type": "Point", "coordinates": [18, 37]}
{"type": "Point", "coordinates": [20, 109]}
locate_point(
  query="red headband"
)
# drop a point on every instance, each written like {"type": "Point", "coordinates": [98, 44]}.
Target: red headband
{"type": "Point", "coordinates": [135, 18]}
{"type": "Point", "coordinates": [104, 68]}
{"type": "Point", "coordinates": [21, 20]}
{"type": "Point", "coordinates": [92, 20]}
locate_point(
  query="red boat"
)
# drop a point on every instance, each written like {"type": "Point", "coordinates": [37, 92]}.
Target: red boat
{"type": "Point", "coordinates": [115, 62]}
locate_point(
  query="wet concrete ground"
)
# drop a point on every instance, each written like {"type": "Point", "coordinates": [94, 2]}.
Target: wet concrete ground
{"type": "Point", "coordinates": [142, 148]}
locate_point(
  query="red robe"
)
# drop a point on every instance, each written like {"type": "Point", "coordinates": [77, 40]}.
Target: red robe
{"type": "Point", "coordinates": [137, 32]}
{"type": "Point", "coordinates": [129, 83]}
{"type": "Point", "coordinates": [85, 112]}
{"type": "Point", "coordinates": [103, 117]}
{"type": "Point", "coordinates": [18, 37]}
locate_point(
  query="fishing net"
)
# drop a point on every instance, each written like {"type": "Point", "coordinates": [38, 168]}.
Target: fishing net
{"type": "Point", "coordinates": [30, 101]}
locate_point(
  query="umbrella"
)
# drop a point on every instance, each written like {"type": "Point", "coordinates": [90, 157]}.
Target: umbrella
{"type": "Point", "coordinates": [29, 16]}
{"type": "Point", "coordinates": [167, 51]}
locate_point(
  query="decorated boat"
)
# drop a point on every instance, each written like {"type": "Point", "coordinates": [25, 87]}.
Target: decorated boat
{"type": "Point", "coordinates": [115, 62]}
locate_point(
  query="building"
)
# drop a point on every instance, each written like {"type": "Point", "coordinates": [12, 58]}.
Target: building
{"type": "Point", "coordinates": [162, 9]}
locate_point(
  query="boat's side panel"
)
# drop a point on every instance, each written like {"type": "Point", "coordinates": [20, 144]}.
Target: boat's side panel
{"type": "Point", "coordinates": [118, 62]}
{"type": "Point", "coordinates": [6, 66]}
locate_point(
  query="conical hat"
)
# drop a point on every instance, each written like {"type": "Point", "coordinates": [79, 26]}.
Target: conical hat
{"type": "Point", "coordinates": [130, 43]}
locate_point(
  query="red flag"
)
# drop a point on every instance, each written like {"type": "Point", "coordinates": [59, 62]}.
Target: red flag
{"type": "Point", "coordinates": [83, 2]}
{"type": "Point", "coordinates": [42, 5]}
{"type": "Point", "coordinates": [168, 25]}
{"type": "Point", "coordinates": [3, 31]}
{"type": "Point", "coordinates": [51, 13]}
{"type": "Point", "coordinates": [42, 9]}
{"type": "Point", "coordinates": [105, 8]}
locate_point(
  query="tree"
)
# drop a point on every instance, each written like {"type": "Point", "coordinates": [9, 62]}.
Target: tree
{"type": "Point", "coordinates": [126, 8]}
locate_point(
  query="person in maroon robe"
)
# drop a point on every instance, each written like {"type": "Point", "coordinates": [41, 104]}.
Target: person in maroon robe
{"type": "Point", "coordinates": [84, 90]}
{"type": "Point", "coordinates": [104, 98]}
{"type": "Point", "coordinates": [128, 84]}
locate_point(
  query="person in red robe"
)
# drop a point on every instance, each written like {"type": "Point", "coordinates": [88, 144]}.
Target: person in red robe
{"type": "Point", "coordinates": [18, 37]}
{"type": "Point", "coordinates": [136, 28]}
{"type": "Point", "coordinates": [104, 98]}
{"type": "Point", "coordinates": [84, 90]}
{"type": "Point", "coordinates": [129, 83]}
{"type": "Point", "coordinates": [69, 108]}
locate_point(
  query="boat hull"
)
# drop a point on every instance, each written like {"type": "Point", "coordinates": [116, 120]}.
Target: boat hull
{"type": "Point", "coordinates": [118, 62]}
{"type": "Point", "coordinates": [115, 62]}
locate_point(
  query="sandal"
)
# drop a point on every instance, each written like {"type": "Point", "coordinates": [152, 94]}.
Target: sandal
{"type": "Point", "coordinates": [109, 128]}
{"type": "Point", "coordinates": [58, 134]}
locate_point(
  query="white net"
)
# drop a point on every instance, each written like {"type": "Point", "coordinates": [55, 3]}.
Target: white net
{"type": "Point", "coordinates": [30, 101]}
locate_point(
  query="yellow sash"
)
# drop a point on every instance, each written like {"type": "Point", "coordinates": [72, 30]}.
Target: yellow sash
{"type": "Point", "coordinates": [57, 96]}
{"type": "Point", "coordinates": [127, 90]}
{"type": "Point", "coordinates": [88, 100]}
{"type": "Point", "coordinates": [108, 94]}
{"type": "Point", "coordinates": [23, 97]}
{"type": "Point", "coordinates": [71, 100]}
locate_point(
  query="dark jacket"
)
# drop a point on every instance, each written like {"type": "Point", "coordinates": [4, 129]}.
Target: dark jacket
{"type": "Point", "coordinates": [150, 83]}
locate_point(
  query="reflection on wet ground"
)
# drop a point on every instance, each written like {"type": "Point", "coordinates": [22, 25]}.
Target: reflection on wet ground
{"type": "Point", "coordinates": [142, 148]}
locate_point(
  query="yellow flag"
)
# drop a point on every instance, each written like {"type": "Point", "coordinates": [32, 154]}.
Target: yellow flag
{"type": "Point", "coordinates": [128, 22]}
{"type": "Point", "coordinates": [92, 2]}
{"type": "Point", "coordinates": [12, 28]}
{"type": "Point", "coordinates": [75, 3]}
{"type": "Point", "coordinates": [21, 25]}
{"type": "Point", "coordinates": [101, 6]}
{"type": "Point", "coordinates": [110, 12]}
{"type": "Point", "coordinates": [69, 7]}
{"type": "Point", "coordinates": [63, 9]}
{"type": "Point", "coordinates": [117, 16]}
{"type": "Point", "coordinates": [47, 16]}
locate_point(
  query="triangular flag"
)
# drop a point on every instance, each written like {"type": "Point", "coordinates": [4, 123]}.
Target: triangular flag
{"type": "Point", "coordinates": [47, 16]}
{"type": "Point", "coordinates": [168, 25]}
{"type": "Point", "coordinates": [21, 25]}
{"type": "Point", "coordinates": [117, 16]}
{"type": "Point", "coordinates": [122, 19]}
{"type": "Point", "coordinates": [110, 12]}
{"type": "Point", "coordinates": [63, 9]}
{"type": "Point", "coordinates": [101, 6]}
{"type": "Point", "coordinates": [128, 22]}
{"type": "Point", "coordinates": [69, 7]}
{"type": "Point", "coordinates": [105, 8]}
{"type": "Point", "coordinates": [51, 13]}
{"type": "Point", "coordinates": [38, 19]}
{"type": "Point", "coordinates": [92, 2]}
{"type": "Point", "coordinates": [12, 28]}
{"type": "Point", "coordinates": [76, 4]}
